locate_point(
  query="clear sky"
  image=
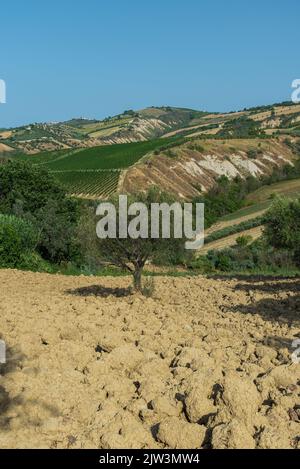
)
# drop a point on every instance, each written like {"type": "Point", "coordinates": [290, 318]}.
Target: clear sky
{"type": "Point", "coordinates": [94, 58]}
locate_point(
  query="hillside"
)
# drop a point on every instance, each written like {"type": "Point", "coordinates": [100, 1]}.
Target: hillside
{"type": "Point", "coordinates": [128, 127]}
{"type": "Point", "coordinates": [247, 221]}
{"type": "Point", "coordinates": [148, 124]}
{"type": "Point", "coordinates": [194, 166]}
{"type": "Point", "coordinates": [181, 150]}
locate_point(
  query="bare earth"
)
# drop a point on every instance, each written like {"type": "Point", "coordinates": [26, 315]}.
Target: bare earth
{"type": "Point", "coordinates": [205, 363]}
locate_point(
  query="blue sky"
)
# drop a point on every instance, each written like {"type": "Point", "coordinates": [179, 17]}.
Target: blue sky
{"type": "Point", "coordinates": [94, 58]}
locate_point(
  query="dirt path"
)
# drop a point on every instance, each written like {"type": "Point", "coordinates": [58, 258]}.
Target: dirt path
{"type": "Point", "coordinates": [205, 363]}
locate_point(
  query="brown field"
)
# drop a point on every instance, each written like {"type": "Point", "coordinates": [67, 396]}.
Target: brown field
{"type": "Point", "coordinates": [205, 363]}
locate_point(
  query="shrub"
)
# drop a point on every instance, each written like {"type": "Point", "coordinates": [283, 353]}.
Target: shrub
{"type": "Point", "coordinates": [243, 240]}
{"type": "Point", "coordinates": [282, 226]}
{"type": "Point", "coordinates": [34, 194]}
{"type": "Point", "coordinates": [148, 287]}
{"type": "Point", "coordinates": [17, 237]}
{"type": "Point", "coordinates": [34, 262]}
{"type": "Point", "coordinates": [258, 256]}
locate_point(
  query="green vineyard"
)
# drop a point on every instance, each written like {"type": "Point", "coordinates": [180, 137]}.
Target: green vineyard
{"type": "Point", "coordinates": [94, 172]}
{"type": "Point", "coordinates": [93, 184]}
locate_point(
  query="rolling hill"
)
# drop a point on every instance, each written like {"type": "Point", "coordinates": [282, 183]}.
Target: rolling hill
{"type": "Point", "coordinates": [150, 123]}
{"type": "Point", "coordinates": [183, 151]}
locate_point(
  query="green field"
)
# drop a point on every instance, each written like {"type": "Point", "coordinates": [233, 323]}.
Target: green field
{"type": "Point", "coordinates": [42, 158]}
{"type": "Point", "coordinates": [105, 157]}
{"type": "Point", "coordinates": [91, 184]}
{"type": "Point", "coordinates": [93, 172]}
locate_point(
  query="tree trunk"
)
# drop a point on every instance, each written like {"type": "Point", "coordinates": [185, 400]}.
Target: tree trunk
{"type": "Point", "coordinates": [137, 279]}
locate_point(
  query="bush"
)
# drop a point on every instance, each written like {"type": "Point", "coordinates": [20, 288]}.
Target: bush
{"type": "Point", "coordinates": [282, 226]}
{"type": "Point", "coordinates": [258, 256]}
{"type": "Point", "coordinates": [17, 237]}
{"type": "Point", "coordinates": [243, 240]}
{"type": "Point", "coordinates": [229, 230]}
{"type": "Point", "coordinates": [33, 194]}
{"type": "Point", "coordinates": [34, 262]}
{"type": "Point", "coordinates": [148, 287]}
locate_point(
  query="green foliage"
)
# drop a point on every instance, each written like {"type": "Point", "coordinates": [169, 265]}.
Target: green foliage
{"type": "Point", "coordinates": [196, 147]}
{"type": "Point", "coordinates": [17, 237]}
{"type": "Point", "coordinates": [226, 197]}
{"type": "Point", "coordinates": [132, 254]}
{"type": "Point", "coordinates": [229, 230]}
{"type": "Point", "coordinates": [91, 184]}
{"type": "Point", "coordinates": [34, 262]}
{"type": "Point", "coordinates": [282, 225]}
{"type": "Point", "coordinates": [27, 188]}
{"type": "Point", "coordinates": [33, 194]}
{"type": "Point", "coordinates": [242, 127]}
{"type": "Point", "coordinates": [255, 257]}
{"type": "Point", "coordinates": [253, 153]}
{"type": "Point", "coordinates": [243, 240]}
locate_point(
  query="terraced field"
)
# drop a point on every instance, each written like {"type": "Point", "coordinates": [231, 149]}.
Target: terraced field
{"type": "Point", "coordinates": [228, 241]}
{"type": "Point", "coordinates": [259, 201]}
{"type": "Point", "coordinates": [287, 188]}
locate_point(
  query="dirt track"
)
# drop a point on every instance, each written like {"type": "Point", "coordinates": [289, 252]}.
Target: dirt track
{"type": "Point", "coordinates": [205, 363]}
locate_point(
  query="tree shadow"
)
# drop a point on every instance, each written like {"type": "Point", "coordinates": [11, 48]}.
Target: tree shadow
{"type": "Point", "coordinates": [100, 291]}
{"type": "Point", "coordinates": [279, 343]}
{"type": "Point", "coordinates": [270, 287]}
{"type": "Point", "coordinates": [253, 277]}
{"type": "Point", "coordinates": [283, 311]}
{"type": "Point", "coordinates": [280, 309]}
{"type": "Point", "coordinates": [14, 359]}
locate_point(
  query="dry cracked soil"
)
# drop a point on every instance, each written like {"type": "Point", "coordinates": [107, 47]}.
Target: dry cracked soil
{"type": "Point", "coordinates": [205, 363]}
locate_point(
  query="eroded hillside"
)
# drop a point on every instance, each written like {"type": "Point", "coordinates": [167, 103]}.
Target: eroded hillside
{"type": "Point", "coordinates": [194, 166]}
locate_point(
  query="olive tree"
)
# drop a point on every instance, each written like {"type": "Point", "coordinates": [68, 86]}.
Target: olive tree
{"type": "Point", "coordinates": [132, 253]}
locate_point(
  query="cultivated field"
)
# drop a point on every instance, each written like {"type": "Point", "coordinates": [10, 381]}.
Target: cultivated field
{"type": "Point", "coordinates": [205, 363]}
{"type": "Point", "coordinates": [92, 172]}
{"type": "Point", "coordinates": [259, 200]}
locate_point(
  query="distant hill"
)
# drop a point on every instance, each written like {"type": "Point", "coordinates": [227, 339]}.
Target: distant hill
{"type": "Point", "coordinates": [130, 126]}
{"type": "Point", "coordinates": [182, 151]}
{"type": "Point", "coordinates": [148, 124]}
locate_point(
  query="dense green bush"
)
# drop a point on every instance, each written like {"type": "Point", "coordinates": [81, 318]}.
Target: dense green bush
{"type": "Point", "coordinates": [34, 262]}
{"type": "Point", "coordinates": [17, 237]}
{"type": "Point", "coordinates": [258, 256]}
{"type": "Point", "coordinates": [33, 194]}
{"type": "Point", "coordinates": [226, 197]}
{"type": "Point", "coordinates": [242, 127]}
{"type": "Point", "coordinates": [282, 225]}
